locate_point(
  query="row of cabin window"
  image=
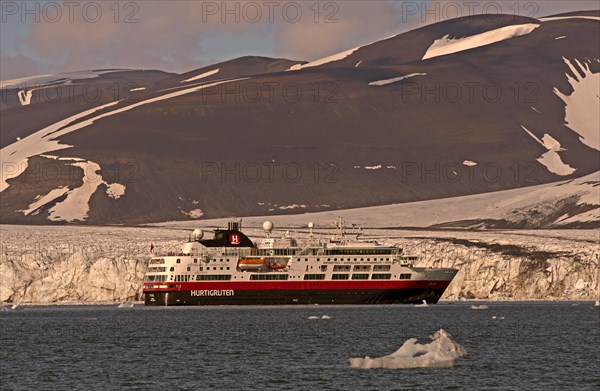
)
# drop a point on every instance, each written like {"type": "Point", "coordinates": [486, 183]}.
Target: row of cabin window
{"type": "Point", "coordinates": [201, 268]}
{"type": "Point", "coordinates": [358, 251]}
{"type": "Point", "coordinates": [358, 276]}
{"type": "Point", "coordinates": [196, 260]}
{"type": "Point", "coordinates": [214, 277]}
{"type": "Point", "coordinates": [348, 259]}
{"type": "Point", "coordinates": [161, 278]}
{"type": "Point", "coordinates": [268, 277]}
{"type": "Point", "coordinates": [223, 277]}
{"type": "Point", "coordinates": [362, 268]}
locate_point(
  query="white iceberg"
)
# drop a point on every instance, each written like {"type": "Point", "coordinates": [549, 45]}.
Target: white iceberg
{"type": "Point", "coordinates": [441, 352]}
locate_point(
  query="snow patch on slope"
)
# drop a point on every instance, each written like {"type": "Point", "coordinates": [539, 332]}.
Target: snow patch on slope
{"type": "Point", "coordinates": [583, 105]}
{"type": "Point", "coordinates": [14, 157]}
{"type": "Point", "coordinates": [115, 190]}
{"type": "Point", "coordinates": [325, 60]}
{"type": "Point", "coordinates": [194, 213]}
{"type": "Point", "coordinates": [334, 57]}
{"type": "Point", "coordinates": [39, 201]}
{"type": "Point", "coordinates": [549, 19]}
{"type": "Point", "coordinates": [293, 206]}
{"type": "Point", "coordinates": [447, 45]}
{"type": "Point", "coordinates": [25, 97]}
{"type": "Point", "coordinates": [551, 159]}
{"type": "Point", "coordinates": [394, 80]}
{"type": "Point", "coordinates": [515, 206]}
{"type": "Point", "coordinates": [201, 76]}
{"type": "Point", "coordinates": [75, 206]}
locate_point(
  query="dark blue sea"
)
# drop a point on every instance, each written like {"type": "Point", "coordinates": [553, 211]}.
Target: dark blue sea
{"type": "Point", "coordinates": [527, 346]}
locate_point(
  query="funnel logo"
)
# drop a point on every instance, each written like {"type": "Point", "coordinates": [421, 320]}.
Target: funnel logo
{"type": "Point", "coordinates": [234, 239]}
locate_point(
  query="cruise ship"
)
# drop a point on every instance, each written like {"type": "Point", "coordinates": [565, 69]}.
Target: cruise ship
{"type": "Point", "coordinates": [231, 269]}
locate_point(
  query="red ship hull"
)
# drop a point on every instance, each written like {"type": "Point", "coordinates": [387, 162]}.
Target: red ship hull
{"type": "Point", "coordinates": [301, 292]}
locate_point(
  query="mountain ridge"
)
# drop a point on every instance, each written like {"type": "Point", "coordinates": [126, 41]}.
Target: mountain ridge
{"type": "Point", "coordinates": [367, 129]}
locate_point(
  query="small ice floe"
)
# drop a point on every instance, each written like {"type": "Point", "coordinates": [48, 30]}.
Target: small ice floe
{"type": "Point", "coordinates": [319, 317]}
{"type": "Point", "coordinates": [424, 304]}
{"type": "Point", "coordinates": [126, 304]}
{"type": "Point", "coordinates": [498, 317]}
{"type": "Point", "coordinates": [441, 352]}
{"type": "Point", "coordinates": [479, 307]}
{"type": "Point", "coordinates": [8, 306]}
{"type": "Point", "coordinates": [597, 303]}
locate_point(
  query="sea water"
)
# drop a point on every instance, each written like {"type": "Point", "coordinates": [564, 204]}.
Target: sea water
{"type": "Point", "coordinates": [509, 346]}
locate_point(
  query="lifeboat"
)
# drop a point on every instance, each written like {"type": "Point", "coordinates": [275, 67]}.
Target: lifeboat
{"type": "Point", "coordinates": [251, 263]}
{"type": "Point", "coordinates": [276, 265]}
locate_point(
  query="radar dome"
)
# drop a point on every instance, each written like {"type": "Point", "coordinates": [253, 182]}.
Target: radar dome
{"type": "Point", "coordinates": [268, 226]}
{"type": "Point", "coordinates": [197, 234]}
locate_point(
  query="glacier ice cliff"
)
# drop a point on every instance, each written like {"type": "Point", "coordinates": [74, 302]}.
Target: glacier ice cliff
{"type": "Point", "coordinates": [54, 264]}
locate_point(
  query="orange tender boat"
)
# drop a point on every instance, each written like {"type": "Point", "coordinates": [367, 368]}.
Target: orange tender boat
{"type": "Point", "coordinates": [275, 265]}
{"type": "Point", "coordinates": [251, 263]}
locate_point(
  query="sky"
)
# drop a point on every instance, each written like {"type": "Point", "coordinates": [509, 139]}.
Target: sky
{"type": "Point", "coordinates": [41, 37]}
